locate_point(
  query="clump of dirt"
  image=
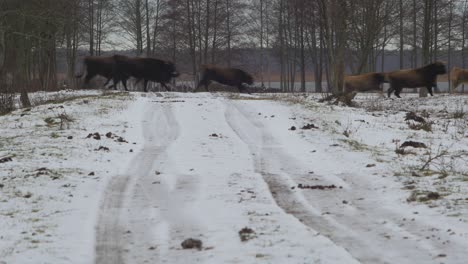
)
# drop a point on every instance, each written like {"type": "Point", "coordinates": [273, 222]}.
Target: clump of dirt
{"type": "Point", "coordinates": [340, 98]}
{"type": "Point", "coordinates": [423, 196]}
{"type": "Point", "coordinates": [318, 187]}
{"type": "Point", "coordinates": [95, 135]}
{"type": "Point", "coordinates": [121, 140]}
{"type": "Point", "coordinates": [111, 135]}
{"type": "Point", "coordinates": [246, 234]}
{"type": "Point", "coordinates": [421, 126]}
{"type": "Point", "coordinates": [421, 123]}
{"type": "Point", "coordinates": [413, 116]}
{"type": "Point", "coordinates": [6, 159]}
{"type": "Point", "coordinates": [45, 172]}
{"type": "Point", "coordinates": [309, 126]}
{"type": "Point", "coordinates": [102, 148]}
{"type": "Point", "coordinates": [42, 171]}
{"type": "Point", "coordinates": [54, 107]}
{"type": "Point", "coordinates": [169, 101]}
{"type": "Point", "coordinates": [413, 144]}
{"type": "Point", "coordinates": [191, 243]}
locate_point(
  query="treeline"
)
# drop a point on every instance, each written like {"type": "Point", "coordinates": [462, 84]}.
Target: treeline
{"type": "Point", "coordinates": [308, 37]}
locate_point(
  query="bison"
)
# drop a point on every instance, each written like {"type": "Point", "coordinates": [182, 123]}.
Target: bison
{"type": "Point", "coordinates": [364, 82]}
{"type": "Point", "coordinates": [146, 69]}
{"type": "Point", "coordinates": [226, 76]}
{"type": "Point", "coordinates": [458, 76]}
{"type": "Point", "coordinates": [103, 66]}
{"type": "Point", "coordinates": [420, 77]}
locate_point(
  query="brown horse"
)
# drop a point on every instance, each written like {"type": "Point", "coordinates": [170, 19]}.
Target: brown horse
{"type": "Point", "coordinates": [420, 77]}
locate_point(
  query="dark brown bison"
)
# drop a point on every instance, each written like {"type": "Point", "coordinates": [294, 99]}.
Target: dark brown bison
{"type": "Point", "coordinates": [364, 82]}
{"type": "Point", "coordinates": [102, 66]}
{"type": "Point", "coordinates": [458, 76]}
{"type": "Point", "coordinates": [146, 69]}
{"type": "Point", "coordinates": [420, 77]}
{"type": "Point", "coordinates": [226, 76]}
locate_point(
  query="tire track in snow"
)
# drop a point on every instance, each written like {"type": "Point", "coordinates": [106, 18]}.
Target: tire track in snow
{"type": "Point", "coordinates": [116, 231]}
{"type": "Point", "coordinates": [358, 230]}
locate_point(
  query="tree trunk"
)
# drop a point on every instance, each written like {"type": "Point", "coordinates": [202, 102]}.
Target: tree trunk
{"type": "Point", "coordinates": [302, 55]}
{"type": "Point", "coordinates": [228, 27]}
{"type": "Point", "coordinates": [148, 37]}
{"type": "Point", "coordinates": [449, 61]}
{"type": "Point", "coordinates": [91, 26]}
{"type": "Point", "coordinates": [428, 7]}
{"type": "Point", "coordinates": [401, 35]}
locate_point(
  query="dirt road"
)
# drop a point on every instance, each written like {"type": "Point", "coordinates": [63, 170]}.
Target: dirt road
{"type": "Point", "coordinates": [211, 166]}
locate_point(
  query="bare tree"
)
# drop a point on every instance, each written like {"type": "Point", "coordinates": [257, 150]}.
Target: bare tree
{"type": "Point", "coordinates": [334, 18]}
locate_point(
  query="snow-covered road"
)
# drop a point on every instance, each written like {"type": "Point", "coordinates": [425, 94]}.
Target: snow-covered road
{"type": "Point", "coordinates": [206, 166]}
{"type": "Point", "coordinates": [211, 166]}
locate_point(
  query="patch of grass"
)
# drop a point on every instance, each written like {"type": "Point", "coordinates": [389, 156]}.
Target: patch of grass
{"type": "Point", "coordinates": [426, 126]}
{"type": "Point", "coordinates": [423, 196]}
{"type": "Point", "coordinates": [355, 145]}
{"type": "Point", "coordinates": [65, 119]}
{"type": "Point", "coordinates": [54, 135]}
{"type": "Point", "coordinates": [459, 114]}
{"type": "Point", "coordinates": [266, 98]}
{"type": "Point", "coordinates": [10, 214]}
{"type": "Point", "coordinates": [50, 121]}
{"type": "Point", "coordinates": [60, 99]}
{"type": "Point", "coordinates": [62, 119]}
{"type": "Point", "coordinates": [459, 111]}
{"type": "Point", "coordinates": [375, 105]}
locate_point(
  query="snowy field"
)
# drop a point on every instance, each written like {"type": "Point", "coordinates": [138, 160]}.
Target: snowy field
{"type": "Point", "coordinates": [127, 177]}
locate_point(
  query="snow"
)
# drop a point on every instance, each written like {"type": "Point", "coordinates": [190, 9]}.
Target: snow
{"type": "Point", "coordinates": [207, 165]}
{"type": "Point", "coordinates": [53, 225]}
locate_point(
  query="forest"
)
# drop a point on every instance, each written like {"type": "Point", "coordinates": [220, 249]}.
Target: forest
{"type": "Point", "coordinates": [290, 41]}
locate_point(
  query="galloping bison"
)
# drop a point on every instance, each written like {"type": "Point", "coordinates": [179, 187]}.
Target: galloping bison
{"type": "Point", "coordinates": [226, 76]}
{"type": "Point", "coordinates": [364, 82]}
{"type": "Point", "coordinates": [420, 77]}
{"type": "Point", "coordinates": [103, 66]}
{"type": "Point", "coordinates": [458, 76]}
{"type": "Point", "coordinates": [146, 69]}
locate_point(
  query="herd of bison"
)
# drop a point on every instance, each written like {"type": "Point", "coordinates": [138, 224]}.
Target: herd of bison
{"type": "Point", "coordinates": [119, 68]}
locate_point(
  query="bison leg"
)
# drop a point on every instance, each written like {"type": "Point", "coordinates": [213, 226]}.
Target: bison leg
{"type": "Point", "coordinates": [390, 90]}
{"type": "Point", "coordinates": [88, 77]}
{"type": "Point", "coordinates": [242, 89]}
{"type": "Point", "coordinates": [165, 87]}
{"type": "Point", "coordinates": [115, 83]}
{"type": "Point", "coordinates": [429, 89]}
{"type": "Point", "coordinates": [203, 82]}
{"type": "Point", "coordinates": [107, 82]}
{"type": "Point", "coordinates": [124, 82]}
{"type": "Point", "coordinates": [454, 85]}
{"type": "Point", "coordinates": [398, 91]}
{"type": "Point", "coordinates": [145, 86]}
